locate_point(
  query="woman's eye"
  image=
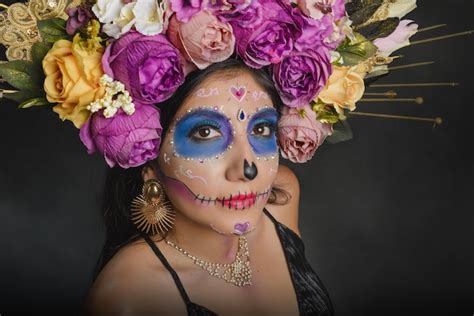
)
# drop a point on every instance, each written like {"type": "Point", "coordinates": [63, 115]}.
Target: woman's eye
{"type": "Point", "coordinates": [262, 129]}
{"type": "Point", "coordinates": [205, 133]}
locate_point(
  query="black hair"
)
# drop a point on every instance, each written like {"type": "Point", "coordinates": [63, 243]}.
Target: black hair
{"type": "Point", "coordinates": [123, 185]}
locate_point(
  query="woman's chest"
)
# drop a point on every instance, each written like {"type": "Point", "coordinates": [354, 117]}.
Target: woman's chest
{"type": "Point", "coordinates": [271, 291]}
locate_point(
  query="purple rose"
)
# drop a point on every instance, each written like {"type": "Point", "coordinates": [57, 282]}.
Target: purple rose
{"type": "Point", "coordinates": [269, 41]}
{"type": "Point", "coordinates": [315, 33]}
{"type": "Point", "coordinates": [128, 141]}
{"type": "Point", "coordinates": [186, 9]}
{"type": "Point", "coordinates": [229, 9]}
{"type": "Point", "coordinates": [78, 17]}
{"type": "Point", "coordinates": [150, 67]}
{"type": "Point", "coordinates": [248, 17]}
{"type": "Point", "coordinates": [302, 75]}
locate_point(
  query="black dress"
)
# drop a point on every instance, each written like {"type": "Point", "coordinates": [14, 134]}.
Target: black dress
{"type": "Point", "coordinates": [313, 299]}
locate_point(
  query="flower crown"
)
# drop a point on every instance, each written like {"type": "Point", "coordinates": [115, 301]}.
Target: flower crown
{"type": "Point", "coordinates": [105, 64]}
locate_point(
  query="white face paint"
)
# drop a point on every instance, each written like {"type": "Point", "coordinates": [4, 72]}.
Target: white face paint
{"type": "Point", "coordinates": [166, 159]}
{"type": "Point", "coordinates": [205, 93]}
{"type": "Point", "coordinates": [189, 174]}
{"type": "Point", "coordinates": [257, 95]}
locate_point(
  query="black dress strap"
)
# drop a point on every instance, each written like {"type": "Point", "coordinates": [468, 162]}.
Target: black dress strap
{"type": "Point", "coordinates": [273, 219]}
{"type": "Point", "coordinates": [165, 262]}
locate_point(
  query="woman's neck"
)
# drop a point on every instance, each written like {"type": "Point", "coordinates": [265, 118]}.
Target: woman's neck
{"type": "Point", "coordinates": [205, 243]}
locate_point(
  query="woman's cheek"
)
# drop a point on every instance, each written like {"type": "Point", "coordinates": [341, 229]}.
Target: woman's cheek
{"type": "Point", "coordinates": [187, 178]}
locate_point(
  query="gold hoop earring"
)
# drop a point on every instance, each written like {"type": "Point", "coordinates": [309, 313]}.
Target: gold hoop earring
{"type": "Point", "coordinates": [150, 210]}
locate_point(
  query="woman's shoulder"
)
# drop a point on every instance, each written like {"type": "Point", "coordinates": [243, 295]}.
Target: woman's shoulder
{"type": "Point", "coordinates": [287, 213]}
{"type": "Point", "coordinates": [127, 284]}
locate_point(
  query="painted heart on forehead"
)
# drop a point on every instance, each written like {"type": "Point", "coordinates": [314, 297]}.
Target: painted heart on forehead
{"type": "Point", "coordinates": [239, 92]}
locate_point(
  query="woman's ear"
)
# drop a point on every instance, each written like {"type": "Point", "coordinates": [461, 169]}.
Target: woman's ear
{"type": "Point", "coordinates": [148, 172]}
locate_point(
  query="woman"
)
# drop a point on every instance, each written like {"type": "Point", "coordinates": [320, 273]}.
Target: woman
{"type": "Point", "coordinates": [231, 202]}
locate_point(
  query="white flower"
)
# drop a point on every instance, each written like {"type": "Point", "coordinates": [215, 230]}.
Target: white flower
{"type": "Point", "coordinates": [146, 15]}
{"type": "Point", "coordinates": [123, 23]}
{"type": "Point", "coordinates": [107, 10]}
{"type": "Point", "coordinates": [149, 16]}
{"type": "Point", "coordinates": [400, 8]}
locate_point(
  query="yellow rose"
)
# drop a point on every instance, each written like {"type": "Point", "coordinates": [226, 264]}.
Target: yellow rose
{"type": "Point", "coordinates": [72, 80]}
{"type": "Point", "coordinates": [344, 88]}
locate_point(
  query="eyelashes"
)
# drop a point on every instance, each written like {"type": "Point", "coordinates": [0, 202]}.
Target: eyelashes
{"type": "Point", "coordinates": [200, 132]}
{"type": "Point", "coordinates": [263, 129]}
{"type": "Point", "coordinates": [262, 132]}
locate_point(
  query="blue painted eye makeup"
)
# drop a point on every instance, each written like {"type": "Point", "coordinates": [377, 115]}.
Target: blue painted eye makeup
{"type": "Point", "coordinates": [202, 133]}
{"type": "Point", "coordinates": [261, 132]}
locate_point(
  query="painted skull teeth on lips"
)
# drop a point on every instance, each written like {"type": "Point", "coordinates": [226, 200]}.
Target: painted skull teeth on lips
{"type": "Point", "coordinates": [240, 201]}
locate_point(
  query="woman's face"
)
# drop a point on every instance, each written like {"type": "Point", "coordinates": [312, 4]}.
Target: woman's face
{"type": "Point", "coordinates": [219, 158]}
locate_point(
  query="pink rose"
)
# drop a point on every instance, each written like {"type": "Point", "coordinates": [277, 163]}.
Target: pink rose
{"type": "Point", "coordinates": [203, 40]}
{"type": "Point", "coordinates": [300, 133]}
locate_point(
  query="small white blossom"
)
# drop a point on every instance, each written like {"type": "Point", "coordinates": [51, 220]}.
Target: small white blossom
{"type": "Point", "coordinates": [116, 97]}
{"type": "Point", "coordinates": [109, 112]}
{"type": "Point", "coordinates": [129, 108]}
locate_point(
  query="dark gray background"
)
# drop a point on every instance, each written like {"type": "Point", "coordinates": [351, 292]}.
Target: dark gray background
{"type": "Point", "coordinates": [387, 218]}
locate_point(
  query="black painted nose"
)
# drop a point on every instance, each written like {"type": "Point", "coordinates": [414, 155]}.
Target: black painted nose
{"type": "Point", "coordinates": [250, 171]}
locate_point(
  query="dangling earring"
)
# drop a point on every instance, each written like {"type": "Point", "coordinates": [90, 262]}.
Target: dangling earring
{"type": "Point", "coordinates": [151, 211]}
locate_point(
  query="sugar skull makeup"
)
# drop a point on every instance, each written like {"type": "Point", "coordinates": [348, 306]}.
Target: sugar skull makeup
{"type": "Point", "coordinates": [210, 161]}
{"type": "Point", "coordinates": [202, 133]}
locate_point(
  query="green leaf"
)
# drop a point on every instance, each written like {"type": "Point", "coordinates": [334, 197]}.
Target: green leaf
{"type": "Point", "coordinates": [53, 30]}
{"type": "Point", "coordinates": [325, 113]}
{"type": "Point", "coordinates": [38, 51]}
{"type": "Point", "coordinates": [360, 11]}
{"type": "Point", "coordinates": [358, 51]}
{"type": "Point", "coordinates": [33, 102]}
{"type": "Point", "coordinates": [342, 132]}
{"type": "Point", "coordinates": [18, 73]}
{"type": "Point", "coordinates": [19, 96]}
{"type": "Point", "coordinates": [355, 5]}
{"type": "Point", "coordinates": [379, 29]}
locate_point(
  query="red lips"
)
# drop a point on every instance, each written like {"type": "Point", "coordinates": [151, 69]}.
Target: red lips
{"type": "Point", "coordinates": [240, 201]}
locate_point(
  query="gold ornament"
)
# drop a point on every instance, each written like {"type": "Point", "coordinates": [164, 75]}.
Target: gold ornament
{"type": "Point", "coordinates": [238, 272]}
{"type": "Point", "coordinates": [18, 24]}
{"type": "Point", "coordinates": [151, 211]}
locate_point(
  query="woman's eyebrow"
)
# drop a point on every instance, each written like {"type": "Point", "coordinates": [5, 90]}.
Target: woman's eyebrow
{"type": "Point", "coordinates": [266, 111]}
{"type": "Point", "coordinates": [212, 111]}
